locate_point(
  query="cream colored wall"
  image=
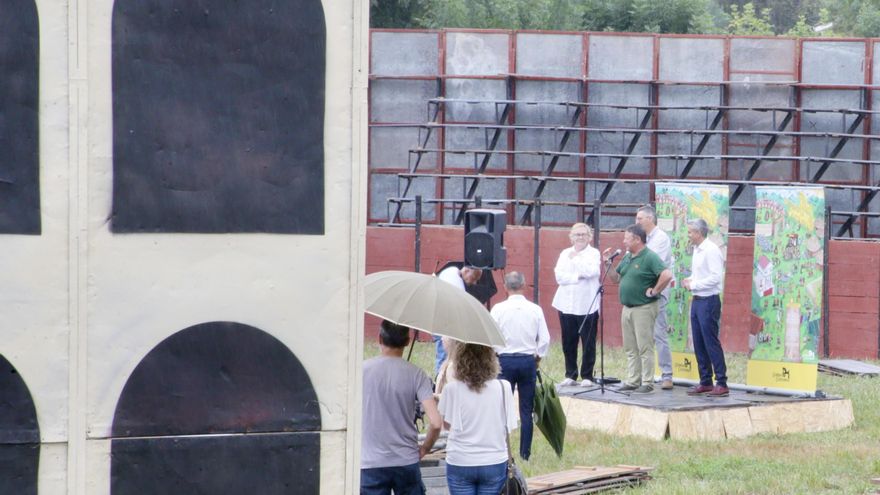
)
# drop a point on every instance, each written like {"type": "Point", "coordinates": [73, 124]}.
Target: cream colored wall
{"type": "Point", "coordinates": [83, 306]}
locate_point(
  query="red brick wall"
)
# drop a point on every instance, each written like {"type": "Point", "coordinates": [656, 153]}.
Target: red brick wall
{"type": "Point", "coordinates": [853, 274]}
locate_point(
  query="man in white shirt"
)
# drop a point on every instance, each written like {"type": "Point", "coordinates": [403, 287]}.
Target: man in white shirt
{"type": "Point", "coordinates": [526, 341]}
{"type": "Point", "coordinates": [457, 277]}
{"type": "Point", "coordinates": [577, 300]}
{"type": "Point", "coordinates": [658, 241]}
{"type": "Point", "coordinates": [705, 283]}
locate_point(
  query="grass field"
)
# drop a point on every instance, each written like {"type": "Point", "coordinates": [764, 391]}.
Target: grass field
{"type": "Point", "coordinates": [833, 462]}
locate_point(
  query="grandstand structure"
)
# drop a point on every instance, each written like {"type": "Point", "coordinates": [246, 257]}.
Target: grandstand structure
{"type": "Point", "coordinates": [569, 120]}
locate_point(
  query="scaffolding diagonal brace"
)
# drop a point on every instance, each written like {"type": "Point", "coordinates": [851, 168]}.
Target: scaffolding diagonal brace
{"type": "Point", "coordinates": [563, 142]}
{"type": "Point", "coordinates": [764, 152]}
{"type": "Point", "coordinates": [841, 142]}
{"type": "Point", "coordinates": [423, 144]}
{"type": "Point", "coordinates": [629, 149]}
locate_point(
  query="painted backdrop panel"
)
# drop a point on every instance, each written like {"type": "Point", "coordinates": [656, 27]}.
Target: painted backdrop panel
{"type": "Point", "coordinates": [676, 205]}
{"type": "Point", "coordinates": [787, 287]}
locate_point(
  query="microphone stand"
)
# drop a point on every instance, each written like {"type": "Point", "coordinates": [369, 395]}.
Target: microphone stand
{"type": "Point", "coordinates": [601, 323]}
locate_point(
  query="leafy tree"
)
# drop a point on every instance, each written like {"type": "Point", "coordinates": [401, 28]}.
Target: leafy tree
{"type": "Point", "coordinates": [801, 29]}
{"type": "Point", "coordinates": [654, 16]}
{"type": "Point", "coordinates": [868, 21]}
{"type": "Point", "coordinates": [747, 20]}
{"type": "Point", "coordinates": [396, 13]}
{"type": "Point", "coordinates": [561, 15]}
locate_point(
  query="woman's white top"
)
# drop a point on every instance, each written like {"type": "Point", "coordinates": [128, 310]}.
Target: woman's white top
{"type": "Point", "coordinates": [476, 432]}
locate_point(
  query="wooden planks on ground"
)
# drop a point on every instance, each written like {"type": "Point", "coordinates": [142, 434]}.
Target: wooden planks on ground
{"type": "Point", "coordinates": [587, 479]}
{"type": "Point", "coordinates": [843, 367]}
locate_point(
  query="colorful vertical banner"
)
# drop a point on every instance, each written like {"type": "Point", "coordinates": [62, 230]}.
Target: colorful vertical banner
{"type": "Point", "coordinates": [676, 205]}
{"type": "Point", "coordinates": [787, 287]}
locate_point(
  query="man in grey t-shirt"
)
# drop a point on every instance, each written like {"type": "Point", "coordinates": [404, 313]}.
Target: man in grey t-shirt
{"type": "Point", "coordinates": [390, 451]}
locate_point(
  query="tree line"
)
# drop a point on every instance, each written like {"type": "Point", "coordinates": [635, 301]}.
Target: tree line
{"type": "Point", "coordinates": [800, 18]}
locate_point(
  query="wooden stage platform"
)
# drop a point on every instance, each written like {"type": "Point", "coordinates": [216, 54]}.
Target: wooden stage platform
{"type": "Point", "coordinates": [674, 414]}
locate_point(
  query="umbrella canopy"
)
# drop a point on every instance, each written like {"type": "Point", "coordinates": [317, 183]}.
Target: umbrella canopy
{"type": "Point", "coordinates": [549, 416]}
{"type": "Point", "coordinates": [424, 302]}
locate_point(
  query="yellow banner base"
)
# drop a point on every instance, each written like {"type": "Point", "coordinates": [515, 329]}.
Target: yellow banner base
{"type": "Point", "coordinates": [684, 365]}
{"type": "Point", "coordinates": [775, 374]}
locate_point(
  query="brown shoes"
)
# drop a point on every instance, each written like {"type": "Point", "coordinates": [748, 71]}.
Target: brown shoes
{"type": "Point", "coordinates": [719, 391]}
{"type": "Point", "coordinates": [666, 384]}
{"type": "Point", "coordinates": [700, 389]}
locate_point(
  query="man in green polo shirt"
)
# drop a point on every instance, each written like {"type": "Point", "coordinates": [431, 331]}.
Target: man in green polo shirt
{"type": "Point", "coordinates": [642, 277]}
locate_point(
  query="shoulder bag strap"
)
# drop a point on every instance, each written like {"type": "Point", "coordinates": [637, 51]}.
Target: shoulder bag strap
{"type": "Point", "coordinates": [504, 422]}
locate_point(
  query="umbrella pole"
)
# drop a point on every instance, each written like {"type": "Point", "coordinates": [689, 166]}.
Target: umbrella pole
{"type": "Point", "coordinates": [412, 344]}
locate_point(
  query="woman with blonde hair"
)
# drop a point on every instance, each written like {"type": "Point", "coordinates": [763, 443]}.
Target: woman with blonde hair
{"type": "Point", "coordinates": [478, 411]}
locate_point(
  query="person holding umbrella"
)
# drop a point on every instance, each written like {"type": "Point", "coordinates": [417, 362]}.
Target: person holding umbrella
{"type": "Point", "coordinates": [392, 387]}
{"type": "Point", "coordinates": [525, 330]}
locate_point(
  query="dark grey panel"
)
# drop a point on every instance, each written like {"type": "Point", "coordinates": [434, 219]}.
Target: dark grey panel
{"type": "Point", "coordinates": [19, 434]}
{"type": "Point", "coordinates": [19, 468]}
{"type": "Point", "coordinates": [19, 108]}
{"type": "Point", "coordinates": [218, 116]}
{"type": "Point", "coordinates": [264, 464]}
{"type": "Point", "coordinates": [217, 377]}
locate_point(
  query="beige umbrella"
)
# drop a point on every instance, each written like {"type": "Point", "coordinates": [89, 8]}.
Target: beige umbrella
{"type": "Point", "coordinates": [424, 302]}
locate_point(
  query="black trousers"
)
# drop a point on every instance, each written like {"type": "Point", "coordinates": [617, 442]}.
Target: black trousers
{"type": "Point", "coordinates": [572, 332]}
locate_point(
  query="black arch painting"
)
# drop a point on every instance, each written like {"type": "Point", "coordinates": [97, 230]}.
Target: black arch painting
{"type": "Point", "coordinates": [19, 101]}
{"type": "Point", "coordinates": [19, 434]}
{"type": "Point", "coordinates": [217, 408]}
{"type": "Point", "coordinates": [218, 116]}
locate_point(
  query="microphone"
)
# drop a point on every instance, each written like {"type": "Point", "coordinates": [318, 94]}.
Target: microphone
{"type": "Point", "coordinates": [615, 255]}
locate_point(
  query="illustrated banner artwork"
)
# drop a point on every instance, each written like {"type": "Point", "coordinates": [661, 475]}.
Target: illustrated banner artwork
{"type": "Point", "coordinates": [676, 205]}
{"type": "Point", "coordinates": [787, 287]}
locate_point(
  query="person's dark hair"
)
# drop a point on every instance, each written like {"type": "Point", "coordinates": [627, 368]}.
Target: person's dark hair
{"type": "Point", "coordinates": [393, 335]}
{"type": "Point", "coordinates": [700, 225]}
{"type": "Point", "coordinates": [637, 230]}
{"type": "Point", "coordinates": [475, 365]}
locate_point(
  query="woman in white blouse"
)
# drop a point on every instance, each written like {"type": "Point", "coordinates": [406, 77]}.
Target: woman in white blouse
{"type": "Point", "coordinates": [473, 407]}
{"type": "Point", "coordinates": [577, 273]}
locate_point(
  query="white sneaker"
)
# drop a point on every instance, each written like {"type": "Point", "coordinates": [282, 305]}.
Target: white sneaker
{"type": "Point", "coordinates": [568, 382]}
{"type": "Point", "coordinates": [586, 383]}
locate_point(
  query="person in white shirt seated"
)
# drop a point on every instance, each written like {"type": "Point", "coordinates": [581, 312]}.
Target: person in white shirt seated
{"type": "Point", "coordinates": [527, 339]}
{"type": "Point", "coordinates": [577, 300]}
{"type": "Point", "coordinates": [477, 410]}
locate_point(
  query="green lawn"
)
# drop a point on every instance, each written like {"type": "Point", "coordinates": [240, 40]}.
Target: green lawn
{"type": "Point", "coordinates": [833, 462]}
